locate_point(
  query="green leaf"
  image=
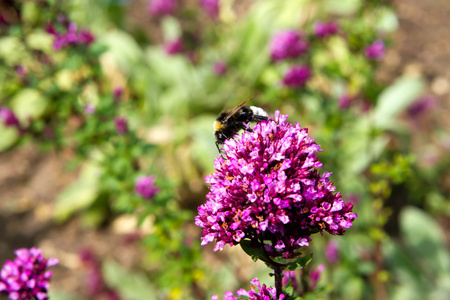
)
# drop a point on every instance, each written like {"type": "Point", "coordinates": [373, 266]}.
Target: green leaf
{"type": "Point", "coordinates": [79, 195]}
{"type": "Point", "coordinates": [395, 99]}
{"type": "Point", "coordinates": [254, 252]}
{"type": "Point", "coordinates": [425, 238]}
{"type": "Point", "coordinates": [123, 48]}
{"type": "Point", "coordinates": [29, 103]}
{"type": "Point", "coordinates": [8, 136]}
{"type": "Point", "coordinates": [131, 286]}
{"type": "Point", "coordinates": [300, 263]}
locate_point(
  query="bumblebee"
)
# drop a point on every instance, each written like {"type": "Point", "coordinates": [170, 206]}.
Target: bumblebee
{"type": "Point", "coordinates": [229, 122]}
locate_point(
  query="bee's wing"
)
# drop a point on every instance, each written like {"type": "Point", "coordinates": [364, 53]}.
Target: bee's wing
{"type": "Point", "coordinates": [234, 110]}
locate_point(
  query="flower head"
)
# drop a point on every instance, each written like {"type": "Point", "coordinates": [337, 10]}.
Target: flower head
{"type": "Point", "coordinates": [118, 92]}
{"type": "Point", "coordinates": [324, 29]}
{"type": "Point", "coordinates": [332, 251]}
{"type": "Point", "coordinates": [8, 117]}
{"type": "Point", "coordinates": [174, 47]}
{"type": "Point", "coordinates": [296, 76]}
{"type": "Point", "coordinates": [162, 7]}
{"type": "Point", "coordinates": [72, 36]}
{"type": "Point", "coordinates": [145, 186]}
{"type": "Point", "coordinates": [375, 51]}
{"type": "Point", "coordinates": [287, 44]}
{"type": "Point", "coordinates": [26, 277]}
{"type": "Point", "coordinates": [257, 292]}
{"type": "Point", "coordinates": [89, 109]}
{"type": "Point", "coordinates": [121, 125]}
{"type": "Point", "coordinates": [420, 106]}
{"type": "Point", "coordinates": [220, 68]}
{"type": "Point", "coordinates": [211, 7]}
{"type": "Point", "coordinates": [269, 189]}
{"type": "Point", "coordinates": [314, 276]}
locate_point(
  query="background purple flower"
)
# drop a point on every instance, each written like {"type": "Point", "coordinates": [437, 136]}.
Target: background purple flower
{"type": "Point", "coordinates": [314, 276]}
{"type": "Point", "coordinates": [118, 92]}
{"type": "Point", "coordinates": [8, 117]}
{"type": "Point", "coordinates": [121, 125]}
{"type": "Point", "coordinates": [70, 37]}
{"type": "Point", "coordinates": [344, 101]}
{"type": "Point", "coordinates": [375, 51]}
{"type": "Point", "coordinates": [269, 185]}
{"type": "Point", "coordinates": [162, 7]}
{"type": "Point", "coordinates": [211, 7]}
{"type": "Point", "coordinates": [256, 292]}
{"type": "Point", "coordinates": [296, 76]}
{"type": "Point", "coordinates": [220, 68]}
{"type": "Point", "coordinates": [89, 109]}
{"type": "Point", "coordinates": [287, 44]}
{"type": "Point", "coordinates": [421, 105]}
{"type": "Point", "coordinates": [174, 47]}
{"type": "Point", "coordinates": [332, 251]}
{"type": "Point", "coordinates": [26, 277]}
{"type": "Point", "coordinates": [145, 186]}
{"type": "Point", "coordinates": [324, 29]}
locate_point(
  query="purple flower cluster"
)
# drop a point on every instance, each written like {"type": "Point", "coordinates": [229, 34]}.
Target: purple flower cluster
{"type": "Point", "coordinates": [121, 125]}
{"type": "Point", "coordinates": [314, 276]}
{"type": "Point", "coordinates": [257, 292]}
{"type": "Point", "coordinates": [325, 29]}
{"type": "Point", "coordinates": [162, 7]}
{"type": "Point", "coordinates": [332, 252]}
{"type": "Point", "coordinates": [174, 46]}
{"type": "Point", "coordinates": [145, 186]}
{"type": "Point", "coordinates": [287, 44]}
{"type": "Point", "coordinates": [211, 7]}
{"type": "Point", "coordinates": [72, 36]}
{"type": "Point", "coordinates": [96, 286]}
{"type": "Point", "coordinates": [375, 51]}
{"type": "Point", "coordinates": [268, 189]}
{"type": "Point", "coordinates": [220, 68]}
{"type": "Point", "coordinates": [8, 117]}
{"type": "Point", "coordinates": [27, 276]}
{"type": "Point", "coordinates": [296, 76]}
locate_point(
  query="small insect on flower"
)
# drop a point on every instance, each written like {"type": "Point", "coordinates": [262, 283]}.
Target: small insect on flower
{"type": "Point", "coordinates": [229, 122]}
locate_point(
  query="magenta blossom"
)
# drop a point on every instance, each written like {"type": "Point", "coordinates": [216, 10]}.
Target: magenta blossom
{"type": "Point", "coordinates": [211, 7]}
{"type": "Point", "coordinates": [72, 36]}
{"type": "Point", "coordinates": [220, 68]}
{"type": "Point", "coordinates": [118, 92]}
{"type": "Point", "coordinates": [420, 106]}
{"type": "Point", "coordinates": [289, 276]}
{"type": "Point", "coordinates": [27, 276]}
{"type": "Point", "coordinates": [174, 47]}
{"type": "Point", "coordinates": [89, 109]}
{"type": "Point", "coordinates": [332, 251]}
{"type": "Point", "coordinates": [121, 125]}
{"type": "Point", "coordinates": [145, 187]}
{"type": "Point", "coordinates": [287, 44]}
{"type": "Point", "coordinates": [344, 101]}
{"type": "Point", "coordinates": [162, 7]}
{"type": "Point", "coordinates": [257, 292]}
{"type": "Point", "coordinates": [296, 76]}
{"type": "Point", "coordinates": [8, 117]}
{"type": "Point", "coordinates": [269, 188]}
{"type": "Point", "coordinates": [325, 29]}
{"type": "Point", "coordinates": [314, 276]}
{"type": "Point", "coordinates": [375, 51]}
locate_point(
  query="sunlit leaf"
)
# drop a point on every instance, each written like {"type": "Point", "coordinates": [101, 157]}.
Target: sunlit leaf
{"type": "Point", "coordinates": [131, 286]}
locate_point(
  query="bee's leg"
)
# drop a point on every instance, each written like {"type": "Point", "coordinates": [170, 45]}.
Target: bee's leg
{"type": "Point", "coordinates": [257, 118]}
{"type": "Point", "coordinates": [217, 145]}
{"type": "Point", "coordinates": [220, 150]}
